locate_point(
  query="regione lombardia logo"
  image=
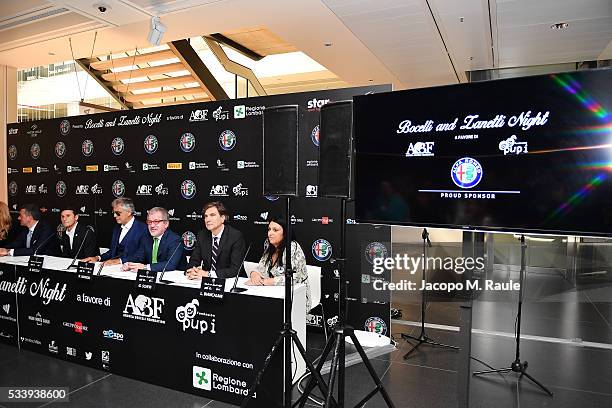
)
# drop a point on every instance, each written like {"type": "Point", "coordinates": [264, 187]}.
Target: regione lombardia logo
{"type": "Point", "coordinates": [150, 144]}
{"type": "Point", "coordinates": [314, 135]}
{"type": "Point", "coordinates": [189, 240]}
{"type": "Point", "coordinates": [188, 189]}
{"type": "Point", "coordinates": [87, 147]}
{"type": "Point", "coordinates": [118, 188]}
{"type": "Point", "coordinates": [60, 149]}
{"type": "Point", "coordinates": [64, 127]}
{"type": "Point", "coordinates": [466, 172]}
{"type": "Point", "coordinates": [117, 146]}
{"type": "Point", "coordinates": [187, 142]}
{"type": "Point", "coordinates": [202, 378]}
{"type": "Point", "coordinates": [227, 140]}
{"type": "Point", "coordinates": [321, 250]}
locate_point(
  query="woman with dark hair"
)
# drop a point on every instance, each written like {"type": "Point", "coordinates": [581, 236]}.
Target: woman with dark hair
{"type": "Point", "coordinates": [271, 268]}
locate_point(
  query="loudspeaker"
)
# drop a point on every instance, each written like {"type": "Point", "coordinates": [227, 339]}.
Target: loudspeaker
{"type": "Point", "coordinates": [280, 150]}
{"type": "Point", "coordinates": [336, 150]}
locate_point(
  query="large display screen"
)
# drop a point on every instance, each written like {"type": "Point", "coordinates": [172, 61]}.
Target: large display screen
{"type": "Point", "coordinates": [529, 154]}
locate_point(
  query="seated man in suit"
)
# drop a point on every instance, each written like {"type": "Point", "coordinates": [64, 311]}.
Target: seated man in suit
{"type": "Point", "coordinates": [126, 234]}
{"type": "Point", "coordinates": [160, 249]}
{"type": "Point", "coordinates": [34, 238]}
{"type": "Point", "coordinates": [77, 239]}
{"type": "Point", "coordinates": [219, 249]}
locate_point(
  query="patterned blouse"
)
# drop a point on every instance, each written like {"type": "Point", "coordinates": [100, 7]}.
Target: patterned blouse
{"type": "Point", "coordinates": [298, 263]}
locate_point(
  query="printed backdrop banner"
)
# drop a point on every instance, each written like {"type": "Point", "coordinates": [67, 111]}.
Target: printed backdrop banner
{"type": "Point", "coordinates": [180, 157]}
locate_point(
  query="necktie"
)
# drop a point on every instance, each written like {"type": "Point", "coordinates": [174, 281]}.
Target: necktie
{"type": "Point", "coordinates": [29, 239]}
{"type": "Point", "coordinates": [155, 248]}
{"type": "Point", "coordinates": [215, 252]}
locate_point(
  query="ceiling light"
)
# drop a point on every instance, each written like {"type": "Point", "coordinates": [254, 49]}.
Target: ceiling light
{"type": "Point", "coordinates": [559, 26]}
{"type": "Point", "coordinates": [157, 31]}
{"type": "Point", "coordinates": [328, 44]}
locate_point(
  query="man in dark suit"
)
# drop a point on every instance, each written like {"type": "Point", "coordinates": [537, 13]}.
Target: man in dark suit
{"type": "Point", "coordinates": [160, 249]}
{"type": "Point", "coordinates": [77, 239]}
{"type": "Point", "coordinates": [35, 237]}
{"type": "Point", "coordinates": [219, 248]}
{"type": "Point", "coordinates": [126, 234]}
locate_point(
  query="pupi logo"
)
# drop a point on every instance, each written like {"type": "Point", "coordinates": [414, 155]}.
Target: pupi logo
{"type": "Point", "coordinates": [118, 188]}
{"type": "Point", "coordinates": [60, 150]}
{"type": "Point", "coordinates": [511, 146]}
{"type": "Point", "coordinates": [220, 114]}
{"type": "Point", "coordinates": [64, 127]}
{"type": "Point", "coordinates": [188, 189]}
{"type": "Point", "coordinates": [314, 135]}
{"type": "Point", "coordinates": [187, 142]}
{"type": "Point", "coordinates": [35, 151]}
{"type": "Point", "coordinates": [117, 146]}
{"type": "Point", "coordinates": [151, 144]}
{"type": "Point", "coordinates": [227, 140]}
{"type": "Point", "coordinates": [321, 250]}
{"type": "Point", "coordinates": [87, 147]}
{"type": "Point", "coordinates": [189, 240]}
{"type": "Point", "coordinates": [466, 172]}
{"type": "Point", "coordinates": [189, 318]}
{"type": "Point", "coordinates": [12, 152]}
{"type": "Point", "coordinates": [61, 188]}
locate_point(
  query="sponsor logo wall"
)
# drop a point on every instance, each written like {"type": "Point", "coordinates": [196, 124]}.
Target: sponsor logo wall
{"type": "Point", "coordinates": [179, 158]}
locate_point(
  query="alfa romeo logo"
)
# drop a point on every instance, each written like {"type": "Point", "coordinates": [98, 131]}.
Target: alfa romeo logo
{"type": "Point", "coordinates": [87, 148]}
{"type": "Point", "coordinates": [151, 144]}
{"type": "Point", "coordinates": [60, 189]}
{"type": "Point", "coordinates": [321, 250]}
{"type": "Point", "coordinates": [60, 149]}
{"type": "Point", "coordinates": [117, 146]}
{"type": "Point", "coordinates": [188, 189]}
{"type": "Point", "coordinates": [35, 151]}
{"type": "Point", "coordinates": [227, 140]}
{"type": "Point", "coordinates": [12, 151]}
{"type": "Point", "coordinates": [65, 127]}
{"type": "Point", "coordinates": [187, 142]}
{"type": "Point", "coordinates": [13, 188]}
{"type": "Point", "coordinates": [189, 240]}
{"type": "Point", "coordinates": [118, 188]}
{"type": "Point", "coordinates": [314, 135]}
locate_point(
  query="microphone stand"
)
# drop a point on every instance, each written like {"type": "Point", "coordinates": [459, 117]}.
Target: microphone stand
{"type": "Point", "coordinates": [161, 277]}
{"type": "Point", "coordinates": [41, 244]}
{"type": "Point", "coordinates": [72, 265]}
{"type": "Point", "coordinates": [423, 338]}
{"type": "Point", "coordinates": [234, 289]}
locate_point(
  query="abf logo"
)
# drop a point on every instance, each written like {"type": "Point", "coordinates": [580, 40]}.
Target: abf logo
{"type": "Point", "coordinates": [87, 147]}
{"type": "Point", "coordinates": [227, 140]}
{"type": "Point", "coordinates": [321, 250]}
{"type": "Point", "coordinates": [376, 325]}
{"type": "Point", "coordinates": [187, 142]}
{"type": "Point", "coordinates": [202, 378]}
{"type": "Point", "coordinates": [150, 144]}
{"type": "Point", "coordinates": [466, 172]}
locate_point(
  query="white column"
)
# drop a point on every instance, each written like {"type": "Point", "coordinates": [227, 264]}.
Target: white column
{"type": "Point", "coordinates": [8, 114]}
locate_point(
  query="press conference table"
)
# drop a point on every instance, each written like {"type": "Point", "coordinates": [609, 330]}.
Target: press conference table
{"type": "Point", "coordinates": [169, 337]}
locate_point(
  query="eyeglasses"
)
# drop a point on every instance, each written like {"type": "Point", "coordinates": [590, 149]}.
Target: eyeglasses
{"type": "Point", "coordinates": [117, 213]}
{"type": "Point", "coordinates": [155, 222]}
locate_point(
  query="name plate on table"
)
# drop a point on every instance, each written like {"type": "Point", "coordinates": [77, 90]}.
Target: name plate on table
{"type": "Point", "coordinates": [212, 288]}
{"type": "Point", "coordinates": [85, 270]}
{"type": "Point", "coordinates": [35, 264]}
{"type": "Point", "coordinates": [146, 280]}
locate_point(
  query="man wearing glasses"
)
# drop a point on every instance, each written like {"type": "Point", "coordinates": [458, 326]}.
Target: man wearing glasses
{"type": "Point", "coordinates": [160, 249]}
{"type": "Point", "coordinates": [126, 235]}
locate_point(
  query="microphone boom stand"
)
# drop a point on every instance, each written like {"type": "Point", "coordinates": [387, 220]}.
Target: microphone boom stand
{"type": "Point", "coordinates": [423, 338]}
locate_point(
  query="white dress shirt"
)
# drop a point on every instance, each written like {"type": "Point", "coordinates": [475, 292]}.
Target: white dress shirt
{"type": "Point", "coordinates": [70, 234]}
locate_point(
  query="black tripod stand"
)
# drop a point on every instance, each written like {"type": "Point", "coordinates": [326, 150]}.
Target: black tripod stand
{"type": "Point", "coordinates": [337, 342]}
{"type": "Point", "coordinates": [517, 365]}
{"type": "Point", "coordinates": [287, 334]}
{"type": "Point", "coordinates": [423, 338]}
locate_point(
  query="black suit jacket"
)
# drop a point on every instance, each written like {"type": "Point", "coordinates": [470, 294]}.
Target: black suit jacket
{"type": "Point", "coordinates": [90, 246]}
{"type": "Point", "coordinates": [39, 241]}
{"type": "Point", "coordinates": [231, 251]}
